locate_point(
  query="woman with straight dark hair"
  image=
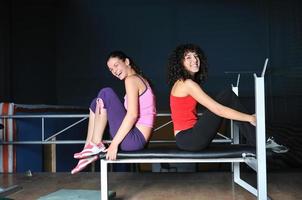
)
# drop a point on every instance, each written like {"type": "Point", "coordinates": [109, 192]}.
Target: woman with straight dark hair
{"type": "Point", "coordinates": [130, 124]}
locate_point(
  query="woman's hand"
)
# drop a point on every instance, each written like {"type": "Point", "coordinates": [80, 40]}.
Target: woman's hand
{"type": "Point", "coordinates": [111, 151]}
{"type": "Point", "coordinates": [253, 119]}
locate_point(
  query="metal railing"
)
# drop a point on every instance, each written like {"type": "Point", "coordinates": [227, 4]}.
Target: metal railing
{"type": "Point", "coordinates": [52, 138]}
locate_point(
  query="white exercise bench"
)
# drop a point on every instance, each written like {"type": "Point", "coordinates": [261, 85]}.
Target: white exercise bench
{"type": "Point", "coordinates": [234, 153]}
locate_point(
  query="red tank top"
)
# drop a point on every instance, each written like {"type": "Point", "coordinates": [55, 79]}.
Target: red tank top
{"type": "Point", "coordinates": [183, 112]}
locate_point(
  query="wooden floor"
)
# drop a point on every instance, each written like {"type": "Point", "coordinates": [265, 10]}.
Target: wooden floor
{"type": "Point", "coordinates": [204, 186]}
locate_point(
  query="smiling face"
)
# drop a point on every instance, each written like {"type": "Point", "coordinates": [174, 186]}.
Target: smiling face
{"type": "Point", "coordinates": [191, 62]}
{"type": "Point", "coordinates": [118, 67]}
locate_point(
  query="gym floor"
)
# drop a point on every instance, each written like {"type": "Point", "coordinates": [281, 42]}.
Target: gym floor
{"type": "Point", "coordinates": [146, 185]}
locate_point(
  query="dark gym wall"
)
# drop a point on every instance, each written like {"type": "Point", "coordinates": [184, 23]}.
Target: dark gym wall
{"type": "Point", "coordinates": [5, 72]}
{"type": "Point", "coordinates": [53, 52]}
{"type": "Point", "coordinates": [29, 46]}
{"type": "Point", "coordinates": [148, 31]}
{"type": "Point", "coordinates": [33, 52]}
{"type": "Point", "coordinates": [284, 83]}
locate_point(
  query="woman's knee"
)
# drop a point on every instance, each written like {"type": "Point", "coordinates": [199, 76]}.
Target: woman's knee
{"type": "Point", "coordinates": [103, 94]}
{"type": "Point", "coordinates": [227, 91]}
{"type": "Point", "coordinates": [225, 96]}
{"type": "Point", "coordinates": [105, 91]}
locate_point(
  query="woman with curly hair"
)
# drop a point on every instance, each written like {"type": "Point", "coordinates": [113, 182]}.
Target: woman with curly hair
{"type": "Point", "coordinates": [187, 68]}
{"type": "Point", "coordinates": [130, 124]}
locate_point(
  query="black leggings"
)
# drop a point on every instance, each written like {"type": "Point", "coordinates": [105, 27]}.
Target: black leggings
{"type": "Point", "coordinates": [204, 131]}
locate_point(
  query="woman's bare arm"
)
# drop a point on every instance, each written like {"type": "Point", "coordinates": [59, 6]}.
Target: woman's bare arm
{"type": "Point", "coordinates": [201, 97]}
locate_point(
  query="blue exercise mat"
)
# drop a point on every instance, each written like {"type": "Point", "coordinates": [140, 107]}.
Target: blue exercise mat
{"type": "Point", "coordinates": [69, 194]}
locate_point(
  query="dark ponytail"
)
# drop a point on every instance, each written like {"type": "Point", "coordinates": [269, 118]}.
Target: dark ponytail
{"type": "Point", "coordinates": [121, 55]}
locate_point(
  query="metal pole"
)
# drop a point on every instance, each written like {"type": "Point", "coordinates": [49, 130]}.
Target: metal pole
{"type": "Point", "coordinates": [260, 138]}
{"type": "Point", "coordinates": [104, 181]}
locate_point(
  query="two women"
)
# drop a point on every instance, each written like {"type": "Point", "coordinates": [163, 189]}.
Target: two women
{"type": "Point", "coordinates": [131, 125]}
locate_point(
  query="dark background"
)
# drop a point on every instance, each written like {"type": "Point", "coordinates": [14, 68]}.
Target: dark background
{"type": "Point", "coordinates": [53, 51]}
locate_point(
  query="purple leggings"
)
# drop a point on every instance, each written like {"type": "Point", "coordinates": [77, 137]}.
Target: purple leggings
{"type": "Point", "coordinates": [116, 112]}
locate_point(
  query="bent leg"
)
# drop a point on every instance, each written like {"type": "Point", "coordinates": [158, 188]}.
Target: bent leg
{"type": "Point", "coordinates": [133, 141]}
{"type": "Point", "coordinates": [230, 99]}
{"type": "Point", "coordinates": [90, 127]}
{"type": "Point", "coordinates": [206, 128]}
{"type": "Point", "coordinates": [208, 124]}
{"type": "Point", "coordinates": [116, 112]}
{"type": "Point", "coordinates": [113, 107]}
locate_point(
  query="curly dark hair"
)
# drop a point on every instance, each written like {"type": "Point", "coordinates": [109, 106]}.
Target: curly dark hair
{"type": "Point", "coordinates": [176, 69]}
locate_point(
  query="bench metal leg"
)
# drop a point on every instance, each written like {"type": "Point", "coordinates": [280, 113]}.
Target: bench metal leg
{"type": "Point", "coordinates": [260, 138]}
{"type": "Point", "coordinates": [235, 136]}
{"type": "Point", "coordinates": [104, 180]}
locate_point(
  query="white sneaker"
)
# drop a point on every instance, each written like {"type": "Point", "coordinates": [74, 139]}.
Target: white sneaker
{"type": "Point", "coordinates": [83, 163]}
{"type": "Point", "coordinates": [90, 150]}
{"type": "Point", "coordinates": [275, 147]}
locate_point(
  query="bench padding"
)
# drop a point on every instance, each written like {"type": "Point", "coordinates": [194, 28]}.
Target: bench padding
{"type": "Point", "coordinates": [214, 151]}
